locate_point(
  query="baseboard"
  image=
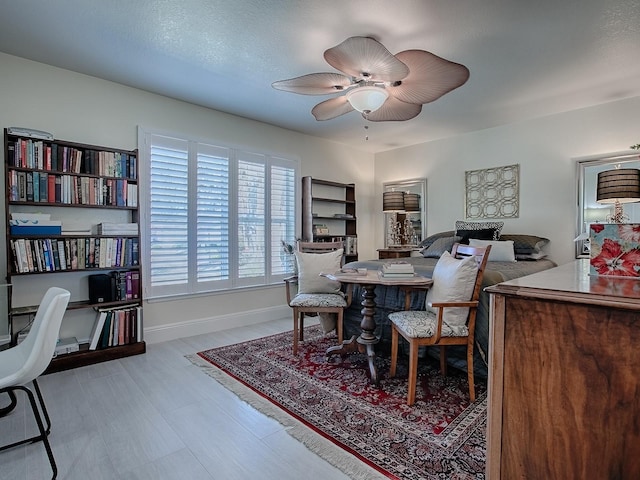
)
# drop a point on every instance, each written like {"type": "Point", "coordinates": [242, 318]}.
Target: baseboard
{"type": "Point", "coordinates": [201, 326]}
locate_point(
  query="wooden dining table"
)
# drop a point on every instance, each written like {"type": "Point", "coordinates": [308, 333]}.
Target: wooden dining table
{"type": "Point", "coordinates": [367, 339]}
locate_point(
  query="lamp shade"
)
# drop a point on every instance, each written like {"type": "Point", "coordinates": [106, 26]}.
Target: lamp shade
{"type": "Point", "coordinates": [368, 98]}
{"type": "Point", "coordinates": [393, 202]}
{"type": "Point", "coordinates": [411, 202]}
{"type": "Point", "coordinates": [621, 185]}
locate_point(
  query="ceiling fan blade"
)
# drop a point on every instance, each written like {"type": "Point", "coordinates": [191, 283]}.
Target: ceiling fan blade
{"type": "Point", "coordinates": [394, 110]}
{"type": "Point", "coordinates": [430, 77]}
{"type": "Point", "coordinates": [364, 57]}
{"type": "Point", "coordinates": [331, 108]}
{"type": "Point", "coordinates": [314, 84]}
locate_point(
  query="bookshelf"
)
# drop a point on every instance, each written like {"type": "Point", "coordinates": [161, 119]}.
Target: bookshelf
{"type": "Point", "coordinates": [71, 214]}
{"type": "Point", "coordinates": [329, 214]}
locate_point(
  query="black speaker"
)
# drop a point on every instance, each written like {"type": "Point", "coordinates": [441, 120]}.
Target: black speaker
{"type": "Point", "coordinates": [100, 288]}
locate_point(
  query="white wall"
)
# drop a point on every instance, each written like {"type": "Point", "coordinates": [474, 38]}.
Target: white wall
{"type": "Point", "coordinates": [84, 109]}
{"type": "Point", "coordinates": [545, 148]}
{"type": "Point", "coordinates": [79, 108]}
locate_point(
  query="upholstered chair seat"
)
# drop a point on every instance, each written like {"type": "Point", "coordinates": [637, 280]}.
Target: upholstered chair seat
{"type": "Point", "coordinates": [423, 324]}
{"type": "Point", "coordinates": [319, 300]}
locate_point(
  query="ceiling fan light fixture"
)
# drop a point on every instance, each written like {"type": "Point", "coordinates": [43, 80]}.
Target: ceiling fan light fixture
{"type": "Point", "coordinates": [368, 98]}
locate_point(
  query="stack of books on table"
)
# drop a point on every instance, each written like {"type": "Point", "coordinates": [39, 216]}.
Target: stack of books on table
{"type": "Point", "coordinates": [397, 270]}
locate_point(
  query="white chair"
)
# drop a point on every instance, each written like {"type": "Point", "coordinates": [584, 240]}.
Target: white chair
{"type": "Point", "coordinates": [26, 361]}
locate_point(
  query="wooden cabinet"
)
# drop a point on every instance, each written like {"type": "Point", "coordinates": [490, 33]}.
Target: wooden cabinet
{"type": "Point", "coordinates": [72, 212]}
{"type": "Point", "coordinates": [563, 381]}
{"type": "Point", "coordinates": [329, 214]}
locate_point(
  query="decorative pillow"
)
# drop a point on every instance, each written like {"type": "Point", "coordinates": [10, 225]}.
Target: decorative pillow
{"type": "Point", "coordinates": [496, 226]}
{"type": "Point", "coordinates": [526, 244]}
{"type": "Point", "coordinates": [441, 245]}
{"type": "Point", "coordinates": [482, 234]}
{"type": "Point", "coordinates": [311, 265]}
{"type": "Point", "coordinates": [427, 242]}
{"type": "Point", "coordinates": [453, 281]}
{"type": "Point", "coordinates": [501, 251]}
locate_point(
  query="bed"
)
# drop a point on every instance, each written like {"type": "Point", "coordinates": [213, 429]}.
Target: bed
{"type": "Point", "coordinates": [528, 259]}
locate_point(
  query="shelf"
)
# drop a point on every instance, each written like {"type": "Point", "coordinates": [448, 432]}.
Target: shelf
{"type": "Point", "coordinates": [89, 357]}
{"type": "Point", "coordinates": [350, 219]}
{"type": "Point", "coordinates": [333, 200]}
{"type": "Point", "coordinates": [57, 177]}
{"type": "Point", "coordinates": [31, 309]}
{"type": "Point", "coordinates": [335, 205]}
{"type": "Point", "coordinates": [67, 205]}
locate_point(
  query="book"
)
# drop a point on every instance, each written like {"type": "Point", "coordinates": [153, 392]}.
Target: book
{"type": "Point", "coordinates": [62, 255]}
{"type": "Point", "coordinates": [97, 329]}
{"type": "Point", "coordinates": [397, 268]}
{"type": "Point", "coordinates": [396, 275]}
{"type": "Point", "coordinates": [35, 230]}
{"type": "Point", "coordinates": [104, 337]}
{"type": "Point", "coordinates": [139, 331]}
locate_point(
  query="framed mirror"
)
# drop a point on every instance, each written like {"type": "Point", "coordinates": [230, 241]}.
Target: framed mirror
{"type": "Point", "coordinates": [589, 210]}
{"type": "Point", "coordinates": [405, 225]}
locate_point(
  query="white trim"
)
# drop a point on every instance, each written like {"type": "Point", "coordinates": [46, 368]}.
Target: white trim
{"type": "Point", "coordinates": [200, 326]}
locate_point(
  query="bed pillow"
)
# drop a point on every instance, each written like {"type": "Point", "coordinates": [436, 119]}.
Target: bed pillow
{"type": "Point", "coordinates": [501, 251]}
{"type": "Point", "coordinates": [531, 256]}
{"type": "Point", "coordinates": [427, 242]}
{"type": "Point", "coordinates": [482, 234]}
{"type": "Point", "coordinates": [495, 226]}
{"type": "Point", "coordinates": [311, 265]}
{"type": "Point", "coordinates": [453, 281]}
{"type": "Point", "coordinates": [526, 244]}
{"type": "Point", "coordinates": [441, 245]}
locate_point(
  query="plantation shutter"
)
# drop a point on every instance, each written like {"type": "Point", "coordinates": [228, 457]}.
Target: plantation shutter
{"type": "Point", "coordinates": [283, 215]}
{"type": "Point", "coordinates": [212, 222]}
{"type": "Point", "coordinates": [251, 217]}
{"type": "Point", "coordinates": [168, 225]}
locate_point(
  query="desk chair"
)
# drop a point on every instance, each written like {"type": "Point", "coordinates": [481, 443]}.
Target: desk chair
{"type": "Point", "coordinates": [26, 361]}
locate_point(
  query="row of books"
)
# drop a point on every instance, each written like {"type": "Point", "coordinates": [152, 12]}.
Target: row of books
{"type": "Point", "coordinates": [114, 327]}
{"type": "Point", "coordinates": [397, 269]}
{"type": "Point", "coordinates": [37, 154]}
{"type": "Point", "coordinates": [53, 255]}
{"type": "Point", "coordinates": [71, 189]}
{"type": "Point", "coordinates": [125, 285]}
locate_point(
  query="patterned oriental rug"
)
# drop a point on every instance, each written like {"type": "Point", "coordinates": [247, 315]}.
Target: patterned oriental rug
{"type": "Point", "coordinates": [442, 436]}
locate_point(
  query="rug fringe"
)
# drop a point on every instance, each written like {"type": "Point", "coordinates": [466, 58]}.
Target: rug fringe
{"type": "Point", "coordinates": [347, 463]}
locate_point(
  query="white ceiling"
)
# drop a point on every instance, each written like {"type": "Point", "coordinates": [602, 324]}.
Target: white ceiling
{"type": "Point", "coordinates": [527, 58]}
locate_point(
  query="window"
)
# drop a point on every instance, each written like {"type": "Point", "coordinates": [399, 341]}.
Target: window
{"type": "Point", "coordinates": [214, 216]}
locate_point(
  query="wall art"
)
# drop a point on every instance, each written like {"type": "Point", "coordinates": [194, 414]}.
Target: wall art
{"type": "Point", "coordinates": [492, 192]}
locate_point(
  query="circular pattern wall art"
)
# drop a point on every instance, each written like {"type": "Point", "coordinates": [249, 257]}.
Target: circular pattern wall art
{"type": "Point", "coordinates": [492, 192]}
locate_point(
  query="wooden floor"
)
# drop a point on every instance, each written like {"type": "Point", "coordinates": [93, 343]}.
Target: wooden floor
{"type": "Point", "coordinates": [156, 416]}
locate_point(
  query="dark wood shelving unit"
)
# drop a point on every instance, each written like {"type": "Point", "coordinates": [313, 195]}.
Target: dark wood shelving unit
{"type": "Point", "coordinates": [124, 175]}
{"type": "Point", "coordinates": [339, 212]}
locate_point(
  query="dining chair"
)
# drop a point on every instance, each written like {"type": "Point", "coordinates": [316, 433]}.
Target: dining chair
{"type": "Point", "coordinates": [25, 362]}
{"type": "Point", "coordinates": [310, 293]}
{"type": "Point", "coordinates": [450, 312]}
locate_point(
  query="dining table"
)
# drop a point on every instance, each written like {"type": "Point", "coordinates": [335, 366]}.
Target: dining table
{"type": "Point", "coordinates": [366, 341]}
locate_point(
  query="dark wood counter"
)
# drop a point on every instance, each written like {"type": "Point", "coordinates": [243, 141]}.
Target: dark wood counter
{"type": "Point", "coordinates": [564, 381]}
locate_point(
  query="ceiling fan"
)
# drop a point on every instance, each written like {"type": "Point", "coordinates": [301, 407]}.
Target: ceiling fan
{"type": "Point", "coordinates": [382, 86]}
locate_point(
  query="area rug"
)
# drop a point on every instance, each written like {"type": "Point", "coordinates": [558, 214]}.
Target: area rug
{"type": "Point", "coordinates": [442, 436]}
